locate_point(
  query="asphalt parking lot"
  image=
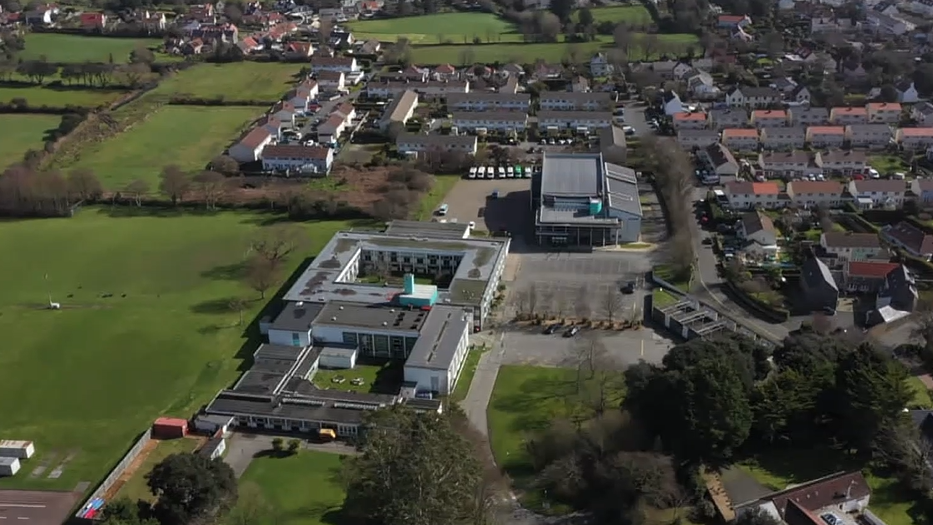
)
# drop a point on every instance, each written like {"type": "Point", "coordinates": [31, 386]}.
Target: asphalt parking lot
{"type": "Point", "coordinates": [469, 200]}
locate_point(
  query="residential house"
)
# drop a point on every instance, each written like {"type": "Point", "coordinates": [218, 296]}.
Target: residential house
{"type": "Point", "coordinates": [93, 21]}
{"type": "Point", "coordinates": [42, 15]}
{"type": "Point", "coordinates": [192, 47]}
{"type": "Point", "coordinates": [332, 128]}
{"type": "Point", "coordinates": [346, 110]}
{"type": "Point", "coordinates": [914, 138]}
{"type": "Point", "coordinates": [853, 72]}
{"type": "Point", "coordinates": [740, 139]}
{"type": "Point", "coordinates": [906, 92]}
{"type": "Point", "coordinates": [728, 118]}
{"type": "Point", "coordinates": [702, 86]}
{"type": "Point", "coordinates": [871, 136]}
{"type": "Point", "coordinates": [844, 116]}
{"type": "Point", "coordinates": [720, 159]}
{"type": "Point", "coordinates": [884, 112]}
{"type": "Point", "coordinates": [922, 113]}
{"type": "Point", "coordinates": [769, 118]}
{"type": "Point", "coordinates": [800, 95]}
{"type": "Point", "coordinates": [408, 143]}
{"type": "Point", "coordinates": [758, 234]}
{"type": "Point", "coordinates": [866, 276]}
{"type": "Point", "coordinates": [910, 238]}
{"type": "Point", "coordinates": [564, 101]}
{"type": "Point", "coordinates": [842, 248]}
{"type": "Point", "coordinates": [399, 110]}
{"type": "Point", "coordinates": [444, 72]}
{"type": "Point", "coordinates": [808, 116]}
{"type": "Point", "coordinates": [304, 159]}
{"type": "Point", "coordinates": [874, 193]}
{"type": "Point", "coordinates": [820, 290]}
{"type": "Point", "coordinates": [664, 68]}
{"type": "Point", "coordinates": [783, 138]}
{"type": "Point", "coordinates": [249, 148]}
{"type": "Point", "coordinates": [841, 162]}
{"type": "Point", "coordinates": [249, 45]}
{"type": "Point", "coordinates": [482, 121]}
{"type": "Point", "coordinates": [689, 120]}
{"type": "Point", "coordinates": [826, 136]}
{"type": "Point", "coordinates": [733, 21]}
{"type": "Point", "coordinates": [824, 24]}
{"type": "Point", "coordinates": [612, 145]}
{"type": "Point", "coordinates": [413, 73]}
{"type": "Point", "coordinates": [577, 120]}
{"type": "Point", "coordinates": [580, 84]}
{"type": "Point", "coordinates": [672, 103]}
{"type": "Point", "coordinates": [786, 85]}
{"type": "Point", "coordinates": [810, 194]}
{"type": "Point", "coordinates": [697, 138]}
{"type": "Point", "coordinates": [744, 195]}
{"type": "Point", "coordinates": [844, 493]}
{"type": "Point", "coordinates": [331, 80]}
{"type": "Point", "coordinates": [202, 13]}
{"type": "Point", "coordinates": [483, 101]}
{"type": "Point", "coordinates": [300, 98]}
{"type": "Point", "coordinates": [431, 90]}
{"type": "Point", "coordinates": [785, 164]}
{"type": "Point", "coordinates": [923, 189]}
{"type": "Point", "coordinates": [298, 50]}
{"type": "Point", "coordinates": [346, 65]}
{"type": "Point", "coordinates": [600, 66]}
{"type": "Point", "coordinates": [898, 292]}
{"type": "Point", "coordinates": [370, 47]}
{"type": "Point", "coordinates": [681, 70]}
{"type": "Point", "coordinates": [284, 112]}
{"type": "Point", "coordinates": [887, 25]}
{"type": "Point", "coordinates": [752, 97]}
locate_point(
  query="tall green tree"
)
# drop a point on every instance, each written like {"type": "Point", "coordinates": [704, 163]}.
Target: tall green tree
{"type": "Point", "coordinates": [414, 469]}
{"type": "Point", "coordinates": [562, 8]}
{"type": "Point", "coordinates": [191, 488]}
{"type": "Point", "coordinates": [715, 415]}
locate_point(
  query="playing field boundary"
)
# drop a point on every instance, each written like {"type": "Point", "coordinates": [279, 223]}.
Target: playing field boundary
{"type": "Point", "coordinates": [117, 473]}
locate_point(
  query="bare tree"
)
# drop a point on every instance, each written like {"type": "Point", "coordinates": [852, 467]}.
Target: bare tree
{"type": "Point", "coordinates": [83, 184]}
{"type": "Point", "coordinates": [649, 45]}
{"type": "Point", "coordinates": [598, 379]}
{"type": "Point", "coordinates": [467, 56]}
{"type": "Point", "coordinates": [225, 164]}
{"type": "Point", "coordinates": [238, 304]}
{"type": "Point", "coordinates": [581, 303]}
{"type": "Point", "coordinates": [261, 274]}
{"type": "Point", "coordinates": [174, 183]}
{"type": "Point", "coordinates": [612, 303]}
{"type": "Point", "coordinates": [275, 243]}
{"type": "Point", "coordinates": [532, 298]}
{"type": "Point", "coordinates": [138, 189]}
{"type": "Point", "coordinates": [212, 186]}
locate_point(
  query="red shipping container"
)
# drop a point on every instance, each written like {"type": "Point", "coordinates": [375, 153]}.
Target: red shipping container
{"type": "Point", "coordinates": [169, 428]}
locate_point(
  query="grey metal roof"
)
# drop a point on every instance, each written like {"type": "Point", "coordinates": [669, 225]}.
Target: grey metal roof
{"type": "Point", "coordinates": [547, 214]}
{"type": "Point", "coordinates": [269, 351]}
{"type": "Point", "coordinates": [575, 175]}
{"type": "Point", "coordinates": [440, 336]}
{"type": "Point", "coordinates": [269, 406]}
{"type": "Point", "coordinates": [260, 382]}
{"type": "Point", "coordinates": [438, 230]}
{"type": "Point", "coordinates": [341, 313]}
{"type": "Point", "coordinates": [296, 317]}
{"type": "Point", "coordinates": [622, 185]}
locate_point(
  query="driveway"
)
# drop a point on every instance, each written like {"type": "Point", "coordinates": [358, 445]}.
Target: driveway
{"type": "Point", "coordinates": [242, 447]}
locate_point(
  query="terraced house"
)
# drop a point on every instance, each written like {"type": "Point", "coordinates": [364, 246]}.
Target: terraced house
{"type": "Point", "coordinates": [826, 136]}
{"type": "Point", "coordinates": [724, 118]}
{"type": "Point", "coordinates": [685, 120]}
{"type": "Point", "coordinates": [566, 101]}
{"type": "Point", "coordinates": [769, 118]}
{"type": "Point", "coordinates": [411, 144]}
{"type": "Point", "coordinates": [744, 195]}
{"type": "Point", "coordinates": [841, 162]}
{"type": "Point", "coordinates": [871, 136]}
{"type": "Point", "coordinates": [844, 116]}
{"type": "Point", "coordinates": [875, 193]}
{"type": "Point", "coordinates": [785, 164]}
{"type": "Point", "coordinates": [481, 101]}
{"type": "Point", "coordinates": [576, 120]}
{"type": "Point", "coordinates": [697, 138]}
{"type": "Point", "coordinates": [483, 121]}
{"type": "Point", "coordinates": [884, 112]}
{"type": "Point", "coordinates": [808, 116]}
{"type": "Point", "coordinates": [783, 138]}
{"type": "Point", "coordinates": [752, 97]}
{"type": "Point", "coordinates": [807, 193]}
{"type": "Point", "coordinates": [914, 138]}
{"type": "Point", "coordinates": [740, 139]}
{"type": "Point", "coordinates": [841, 248]}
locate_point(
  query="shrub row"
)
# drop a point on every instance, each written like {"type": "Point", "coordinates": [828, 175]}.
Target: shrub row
{"type": "Point", "coordinates": [773, 314]}
{"type": "Point", "coordinates": [182, 100]}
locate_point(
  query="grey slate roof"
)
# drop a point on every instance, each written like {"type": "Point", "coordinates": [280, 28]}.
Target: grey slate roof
{"type": "Point", "coordinates": [295, 317]}
{"type": "Point", "coordinates": [814, 272]}
{"type": "Point", "coordinates": [437, 230]}
{"type": "Point", "coordinates": [622, 185]}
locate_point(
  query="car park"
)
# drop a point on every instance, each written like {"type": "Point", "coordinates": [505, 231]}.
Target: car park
{"type": "Point", "coordinates": [629, 288]}
{"type": "Point", "coordinates": [552, 328]}
{"type": "Point", "coordinates": [574, 330]}
{"type": "Point", "coordinates": [510, 171]}
{"type": "Point", "coordinates": [490, 172]}
{"type": "Point", "coordinates": [518, 171]}
{"type": "Point", "coordinates": [473, 171]}
{"type": "Point", "coordinates": [628, 130]}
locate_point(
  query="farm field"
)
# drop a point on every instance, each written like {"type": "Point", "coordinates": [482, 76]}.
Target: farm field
{"type": "Point", "coordinates": [101, 369]}
{"type": "Point", "coordinates": [49, 96]}
{"type": "Point", "coordinates": [301, 490]}
{"type": "Point", "coordinates": [631, 14]}
{"type": "Point", "coordinates": [440, 28]}
{"type": "Point", "coordinates": [136, 488]}
{"type": "Point", "coordinates": [22, 133]}
{"type": "Point", "coordinates": [528, 53]}
{"type": "Point", "coordinates": [241, 81]}
{"type": "Point", "coordinates": [189, 136]}
{"type": "Point", "coordinates": [56, 47]}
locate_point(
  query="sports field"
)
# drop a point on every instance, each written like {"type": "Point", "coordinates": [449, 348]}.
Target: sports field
{"type": "Point", "coordinates": [56, 47]}
{"type": "Point", "coordinates": [189, 136]}
{"type": "Point", "coordinates": [300, 490]}
{"type": "Point", "coordinates": [439, 28]}
{"type": "Point", "coordinates": [145, 329]}
{"type": "Point", "coordinates": [235, 81]}
{"type": "Point", "coordinates": [631, 14]}
{"type": "Point", "coordinates": [22, 133]}
{"type": "Point", "coordinates": [48, 96]}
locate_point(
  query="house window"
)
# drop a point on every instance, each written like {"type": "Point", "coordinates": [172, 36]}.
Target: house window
{"type": "Point", "coordinates": [296, 339]}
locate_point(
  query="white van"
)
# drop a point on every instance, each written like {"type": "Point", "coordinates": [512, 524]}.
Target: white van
{"type": "Point", "coordinates": [442, 210]}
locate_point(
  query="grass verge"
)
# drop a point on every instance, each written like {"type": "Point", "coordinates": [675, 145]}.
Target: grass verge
{"type": "Point", "coordinates": [136, 488]}
{"type": "Point", "coordinates": [433, 199]}
{"type": "Point", "coordinates": [466, 375]}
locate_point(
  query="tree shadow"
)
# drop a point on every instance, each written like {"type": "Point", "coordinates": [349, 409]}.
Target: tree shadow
{"type": "Point", "coordinates": [162, 212]}
{"type": "Point", "coordinates": [226, 272]}
{"type": "Point", "coordinates": [215, 306]}
{"type": "Point", "coordinates": [272, 453]}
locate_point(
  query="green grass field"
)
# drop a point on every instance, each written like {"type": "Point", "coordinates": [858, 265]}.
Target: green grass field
{"type": "Point", "coordinates": [136, 488]}
{"type": "Point", "coordinates": [56, 47]}
{"type": "Point", "coordinates": [236, 81]}
{"type": "Point", "coordinates": [189, 136]}
{"type": "Point", "coordinates": [886, 164]}
{"type": "Point", "coordinates": [437, 29]}
{"type": "Point", "coordinates": [529, 53]}
{"type": "Point", "coordinates": [632, 14]}
{"type": "Point", "coordinates": [921, 397]}
{"type": "Point", "coordinates": [84, 381]}
{"type": "Point", "coordinates": [302, 489]}
{"type": "Point", "coordinates": [46, 96]}
{"type": "Point", "coordinates": [22, 133]}
{"type": "Point", "coordinates": [785, 467]}
{"type": "Point", "coordinates": [433, 199]}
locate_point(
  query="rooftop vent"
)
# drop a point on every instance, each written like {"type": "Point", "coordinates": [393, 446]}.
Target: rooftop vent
{"type": "Point", "coordinates": [333, 318]}
{"type": "Point", "coordinates": [341, 308]}
{"type": "Point", "coordinates": [300, 303]}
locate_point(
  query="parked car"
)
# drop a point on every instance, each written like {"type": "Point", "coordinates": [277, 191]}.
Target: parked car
{"type": "Point", "coordinates": [572, 332]}
{"type": "Point", "coordinates": [629, 288]}
{"type": "Point", "coordinates": [552, 328]}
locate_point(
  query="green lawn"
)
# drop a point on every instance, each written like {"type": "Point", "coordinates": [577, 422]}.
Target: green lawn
{"type": "Point", "coordinates": [921, 397]}
{"type": "Point", "coordinates": [83, 382]}
{"type": "Point", "coordinates": [529, 53]}
{"type": "Point", "coordinates": [381, 377]}
{"type": "Point", "coordinates": [433, 199]}
{"type": "Point", "coordinates": [632, 14]}
{"type": "Point", "coordinates": [466, 375]}
{"type": "Point", "coordinates": [662, 298]}
{"type": "Point", "coordinates": [22, 133]}
{"type": "Point", "coordinates": [236, 81]}
{"type": "Point", "coordinates": [886, 164]}
{"type": "Point", "coordinates": [136, 488]}
{"type": "Point", "coordinates": [189, 136]}
{"type": "Point", "coordinates": [56, 47]}
{"type": "Point", "coordinates": [303, 489]}
{"type": "Point", "coordinates": [38, 96]}
{"type": "Point", "coordinates": [782, 468]}
{"type": "Point", "coordinates": [439, 28]}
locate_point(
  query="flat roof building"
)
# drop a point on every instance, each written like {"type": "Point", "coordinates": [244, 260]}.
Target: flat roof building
{"type": "Point", "coordinates": [580, 199]}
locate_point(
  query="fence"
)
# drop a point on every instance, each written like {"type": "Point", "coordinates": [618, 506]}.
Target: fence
{"type": "Point", "coordinates": [117, 471]}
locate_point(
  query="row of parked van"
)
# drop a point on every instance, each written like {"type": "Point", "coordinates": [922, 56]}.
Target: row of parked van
{"type": "Point", "coordinates": [502, 172]}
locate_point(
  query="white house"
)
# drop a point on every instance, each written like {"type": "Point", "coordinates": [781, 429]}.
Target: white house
{"type": "Point", "coordinates": [744, 195]}
{"type": "Point", "coordinates": [417, 143]}
{"type": "Point", "coordinates": [566, 101]}
{"type": "Point", "coordinates": [672, 103]}
{"type": "Point", "coordinates": [907, 92]}
{"type": "Point", "coordinates": [697, 138]}
{"type": "Point", "coordinates": [871, 193]}
{"type": "Point", "coordinates": [809, 193]}
{"type": "Point", "coordinates": [752, 97]}
{"type": "Point", "coordinates": [480, 122]}
{"type": "Point", "coordinates": [578, 120]}
{"type": "Point", "coordinates": [783, 138]}
{"type": "Point", "coordinates": [600, 66]}
{"type": "Point", "coordinates": [482, 101]}
{"type": "Point", "coordinates": [759, 234]}
{"type": "Point", "coordinates": [305, 159]}
{"type": "Point", "coordinates": [251, 145]}
{"type": "Point", "coordinates": [785, 164]}
{"type": "Point", "coordinates": [331, 80]}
